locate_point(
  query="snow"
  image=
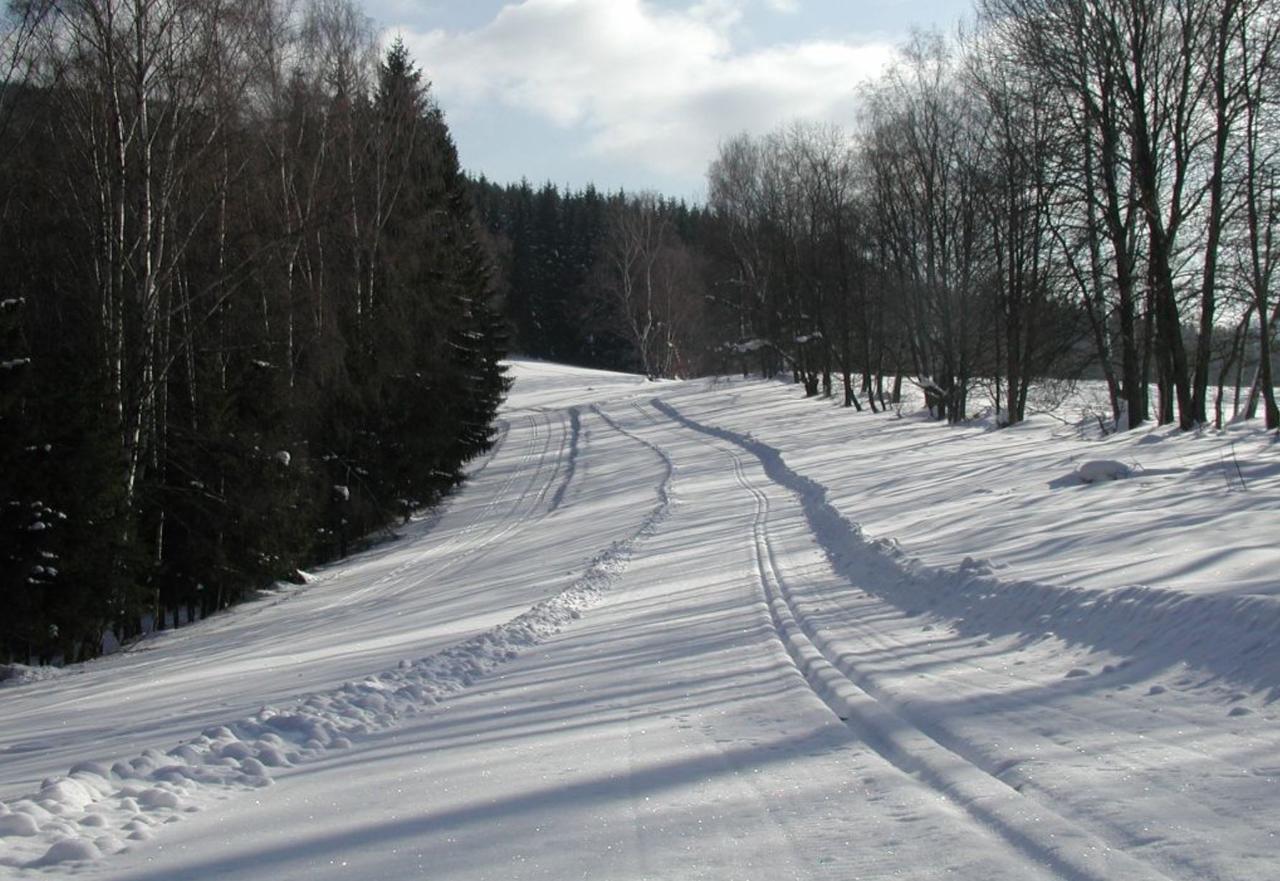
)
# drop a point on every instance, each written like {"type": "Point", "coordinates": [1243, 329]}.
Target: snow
{"type": "Point", "coordinates": [21, 674]}
{"type": "Point", "coordinates": [712, 630]}
{"type": "Point", "coordinates": [1101, 470]}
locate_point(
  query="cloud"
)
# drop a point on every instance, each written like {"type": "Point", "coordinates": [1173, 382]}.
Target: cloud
{"type": "Point", "coordinates": [644, 84]}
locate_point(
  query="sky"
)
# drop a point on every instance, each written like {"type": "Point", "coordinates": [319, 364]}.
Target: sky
{"type": "Point", "coordinates": [638, 94]}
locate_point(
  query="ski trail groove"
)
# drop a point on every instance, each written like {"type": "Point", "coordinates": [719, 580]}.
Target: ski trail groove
{"type": "Point", "coordinates": [664, 489]}
{"type": "Point", "coordinates": [462, 538]}
{"type": "Point", "coordinates": [1032, 828]}
{"type": "Point", "coordinates": [98, 809]}
{"type": "Point", "coordinates": [504, 428]}
{"type": "Point", "coordinates": [242, 615]}
{"type": "Point", "coordinates": [485, 528]}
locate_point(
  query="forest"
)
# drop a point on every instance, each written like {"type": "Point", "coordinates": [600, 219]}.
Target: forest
{"type": "Point", "coordinates": [252, 310]}
{"type": "Point", "coordinates": [249, 315]}
{"type": "Point", "coordinates": [1067, 189]}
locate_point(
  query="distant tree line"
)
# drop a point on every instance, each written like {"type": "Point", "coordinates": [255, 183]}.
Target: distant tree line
{"type": "Point", "coordinates": [1074, 187]}
{"type": "Point", "coordinates": [1077, 183]}
{"type": "Point", "coordinates": [247, 312]}
{"type": "Point", "coordinates": [613, 281]}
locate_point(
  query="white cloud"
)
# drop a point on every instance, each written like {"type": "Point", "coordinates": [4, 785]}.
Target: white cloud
{"type": "Point", "coordinates": [660, 88]}
{"type": "Point", "coordinates": [718, 13]}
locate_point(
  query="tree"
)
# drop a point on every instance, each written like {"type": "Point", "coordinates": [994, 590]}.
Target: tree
{"type": "Point", "coordinates": [1159, 95]}
{"type": "Point", "coordinates": [923, 149]}
{"type": "Point", "coordinates": [258, 232]}
{"type": "Point", "coordinates": [649, 278]}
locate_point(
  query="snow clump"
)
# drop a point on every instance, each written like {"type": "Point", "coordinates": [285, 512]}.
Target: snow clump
{"type": "Point", "coordinates": [1102, 470]}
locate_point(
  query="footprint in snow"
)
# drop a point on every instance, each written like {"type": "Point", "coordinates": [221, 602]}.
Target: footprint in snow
{"type": "Point", "coordinates": [1240, 711]}
{"type": "Point", "coordinates": [1156, 689]}
{"type": "Point", "coordinates": [1076, 673]}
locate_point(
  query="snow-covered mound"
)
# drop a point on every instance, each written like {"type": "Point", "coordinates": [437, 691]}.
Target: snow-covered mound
{"type": "Point", "coordinates": [1101, 470]}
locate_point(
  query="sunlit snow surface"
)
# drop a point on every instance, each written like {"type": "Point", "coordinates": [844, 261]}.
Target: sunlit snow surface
{"type": "Point", "coordinates": [713, 630]}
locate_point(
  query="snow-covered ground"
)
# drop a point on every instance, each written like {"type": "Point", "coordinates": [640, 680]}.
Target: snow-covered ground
{"type": "Point", "coordinates": [713, 630]}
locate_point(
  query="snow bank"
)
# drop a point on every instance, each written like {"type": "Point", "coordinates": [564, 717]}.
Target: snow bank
{"type": "Point", "coordinates": [21, 674]}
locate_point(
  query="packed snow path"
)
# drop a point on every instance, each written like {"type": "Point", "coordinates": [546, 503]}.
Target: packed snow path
{"type": "Point", "coordinates": [643, 644]}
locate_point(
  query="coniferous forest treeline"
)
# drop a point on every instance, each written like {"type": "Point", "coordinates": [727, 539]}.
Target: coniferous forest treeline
{"type": "Point", "coordinates": [248, 313]}
{"type": "Point", "coordinates": [573, 266]}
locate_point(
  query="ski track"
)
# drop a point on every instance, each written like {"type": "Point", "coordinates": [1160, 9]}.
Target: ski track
{"type": "Point", "coordinates": [344, 568]}
{"type": "Point", "coordinates": [984, 605]}
{"type": "Point", "coordinates": [499, 516]}
{"type": "Point", "coordinates": [1126, 827]}
{"type": "Point", "coordinates": [503, 514]}
{"type": "Point", "coordinates": [101, 808]}
{"type": "Point", "coordinates": [1027, 824]}
{"type": "Point", "coordinates": [857, 616]}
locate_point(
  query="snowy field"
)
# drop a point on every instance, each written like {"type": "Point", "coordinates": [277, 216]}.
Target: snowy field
{"type": "Point", "coordinates": [713, 630]}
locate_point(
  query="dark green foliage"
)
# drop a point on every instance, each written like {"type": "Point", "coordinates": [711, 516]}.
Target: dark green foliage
{"type": "Point", "coordinates": [549, 244]}
{"type": "Point", "coordinates": [322, 359]}
{"type": "Point", "coordinates": [67, 562]}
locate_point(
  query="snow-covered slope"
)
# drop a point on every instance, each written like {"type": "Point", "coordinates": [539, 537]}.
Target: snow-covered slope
{"type": "Point", "coordinates": [713, 630]}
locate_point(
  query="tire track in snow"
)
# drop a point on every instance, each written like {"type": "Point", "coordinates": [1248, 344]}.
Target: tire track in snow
{"type": "Point", "coordinates": [98, 809]}
{"type": "Point", "coordinates": [1032, 828]}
